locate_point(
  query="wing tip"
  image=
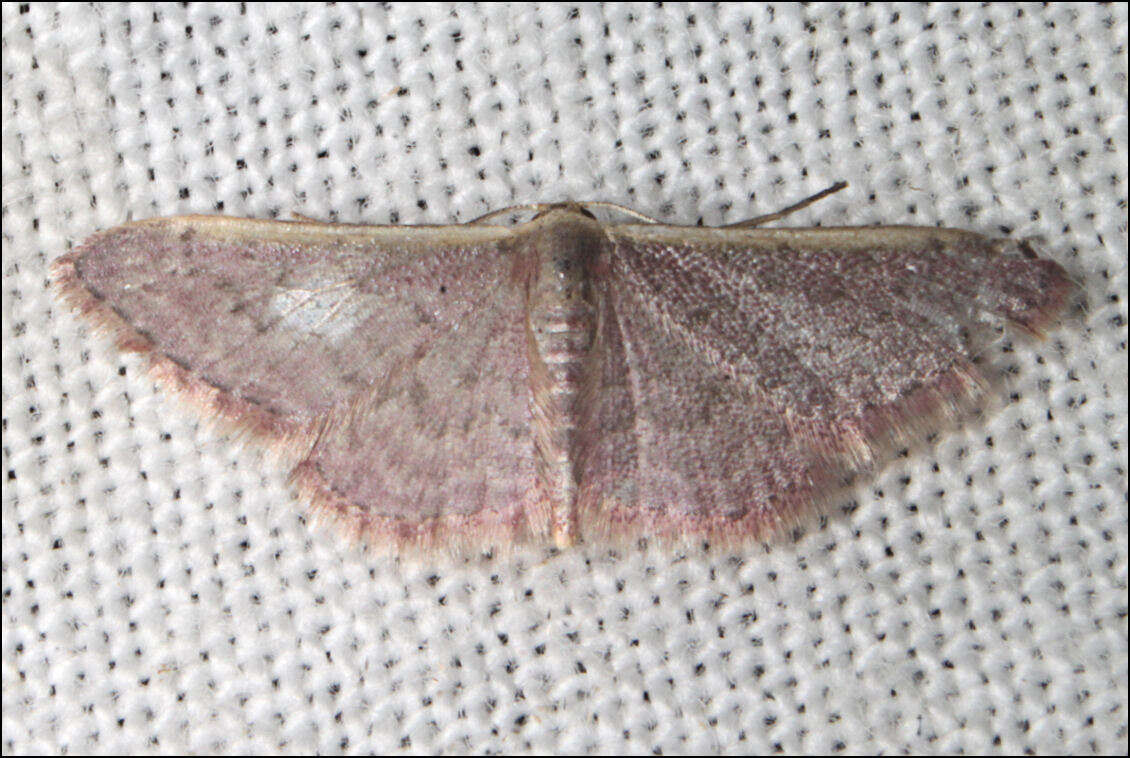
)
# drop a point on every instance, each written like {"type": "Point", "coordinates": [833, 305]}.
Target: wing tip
{"type": "Point", "coordinates": [219, 409]}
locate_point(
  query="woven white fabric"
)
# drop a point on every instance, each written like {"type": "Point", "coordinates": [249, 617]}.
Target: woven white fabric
{"type": "Point", "coordinates": [162, 590]}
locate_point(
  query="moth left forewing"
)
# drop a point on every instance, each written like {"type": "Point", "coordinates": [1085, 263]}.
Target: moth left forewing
{"type": "Point", "coordinates": [374, 356]}
{"type": "Point", "coordinates": [258, 311]}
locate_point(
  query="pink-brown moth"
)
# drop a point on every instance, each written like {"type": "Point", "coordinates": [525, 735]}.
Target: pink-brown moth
{"type": "Point", "coordinates": [564, 379]}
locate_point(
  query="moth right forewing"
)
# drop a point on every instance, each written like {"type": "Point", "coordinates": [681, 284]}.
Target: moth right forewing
{"type": "Point", "coordinates": [855, 336]}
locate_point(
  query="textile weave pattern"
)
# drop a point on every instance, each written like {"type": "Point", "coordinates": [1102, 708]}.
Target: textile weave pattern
{"type": "Point", "coordinates": [164, 591]}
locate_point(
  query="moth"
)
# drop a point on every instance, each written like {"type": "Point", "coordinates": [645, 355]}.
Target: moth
{"type": "Point", "coordinates": [565, 379]}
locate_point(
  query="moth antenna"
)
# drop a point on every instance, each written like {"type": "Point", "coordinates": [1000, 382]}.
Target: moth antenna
{"type": "Point", "coordinates": [535, 207]}
{"type": "Point", "coordinates": [759, 220]}
{"type": "Point", "coordinates": [621, 208]}
{"type": "Point", "coordinates": [296, 216]}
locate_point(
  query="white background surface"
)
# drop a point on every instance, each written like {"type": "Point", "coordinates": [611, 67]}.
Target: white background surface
{"type": "Point", "coordinates": [162, 590]}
